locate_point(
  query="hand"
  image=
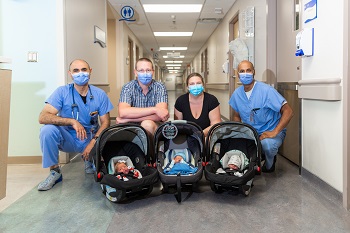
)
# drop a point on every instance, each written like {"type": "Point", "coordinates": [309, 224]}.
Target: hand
{"type": "Point", "coordinates": [81, 132]}
{"type": "Point", "coordinates": [163, 114]}
{"type": "Point", "coordinates": [267, 134]}
{"type": "Point", "coordinates": [119, 120]}
{"type": "Point", "coordinates": [87, 150]}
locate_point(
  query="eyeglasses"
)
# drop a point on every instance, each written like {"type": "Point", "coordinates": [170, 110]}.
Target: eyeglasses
{"type": "Point", "coordinates": [144, 71]}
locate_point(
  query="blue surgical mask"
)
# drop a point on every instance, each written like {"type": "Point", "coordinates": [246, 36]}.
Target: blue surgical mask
{"type": "Point", "coordinates": [246, 78]}
{"type": "Point", "coordinates": [81, 78]}
{"type": "Point", "coordinates": [144, 78]}
{"type": "Point", "coordinates": [196, 89]}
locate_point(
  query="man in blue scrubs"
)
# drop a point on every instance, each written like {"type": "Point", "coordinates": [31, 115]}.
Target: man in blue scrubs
{"type": "Point", "coordinates": [71, 118]}
{"type": "Point", "coordinates": [261, 106]}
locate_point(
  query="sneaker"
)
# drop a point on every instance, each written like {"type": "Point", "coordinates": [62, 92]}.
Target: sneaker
{"type": "Point", "coordinates": [50, 181]}
{"type": "Point", "coordinates": [89, 167]}
{"type": "Point", "coordinates": [272, 169]}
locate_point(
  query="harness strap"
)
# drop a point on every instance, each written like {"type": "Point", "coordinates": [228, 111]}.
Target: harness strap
{"type": "Point", "coordinates": [178, 188]}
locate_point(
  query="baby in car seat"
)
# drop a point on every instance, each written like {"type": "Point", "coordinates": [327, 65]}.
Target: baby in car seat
{"type": "Point", "coordinates": [236, 164]}
{"type": "Point", "coordinates": [124, 172]}
{"type": "Point", "coordinates": [179, 165]}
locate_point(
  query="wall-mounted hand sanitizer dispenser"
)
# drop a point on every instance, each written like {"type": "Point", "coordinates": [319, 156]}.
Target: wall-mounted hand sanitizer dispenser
{"type": "Point", "coordinates": [305, 43]}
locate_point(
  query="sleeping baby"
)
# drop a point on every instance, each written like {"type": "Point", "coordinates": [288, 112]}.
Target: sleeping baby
{"type": "Point", "coordinates": [179, 165]}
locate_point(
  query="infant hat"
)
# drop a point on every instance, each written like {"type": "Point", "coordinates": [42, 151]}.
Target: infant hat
{"type": "Point", "coordinates": [180, 154]}
{"type": "Point", "coordinates": [236, 160]}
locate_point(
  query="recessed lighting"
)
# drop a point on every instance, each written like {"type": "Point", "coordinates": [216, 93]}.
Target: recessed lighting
{"type": "Point", "coordinates": [173, 33]}
{"type": "Point", "coordinates": [173, 61]}
{"type": "Point", "coordinates": [181, 56]}
{"type": "Point", "coordinates": [173, 48]}
{"type": "Point", "coordinates": [172, 8]}
{"type": "Point", "coordinates": [173, 65]}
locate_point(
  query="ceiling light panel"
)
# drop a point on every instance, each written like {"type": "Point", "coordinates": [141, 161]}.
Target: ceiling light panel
{"type": "Point", "coordinates": [173, 48]}
{"type": "Point", "coordinates": [172, 8]}
{"type": "Point", "coordinates": [173, 64]}
{"type": "Point", "coordinates": [173, 33]}
{"type": "Point", "coordinates": [173, 61]}
{"type": "Point", "coordinates": [181, 56]}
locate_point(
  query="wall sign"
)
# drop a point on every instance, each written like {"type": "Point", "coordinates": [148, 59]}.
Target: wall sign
{"type": "Point", "coordinates": [99, 36]}
{"type": "Point", "coordinates": [310, 10]}
{"type": "Point", "coordinates": [127, 12]}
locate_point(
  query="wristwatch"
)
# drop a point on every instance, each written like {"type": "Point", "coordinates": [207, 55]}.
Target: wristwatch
{"type": "Point", "coordinates": [95, 137]}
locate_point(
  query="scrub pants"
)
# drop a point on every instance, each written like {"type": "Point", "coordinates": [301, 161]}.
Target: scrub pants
{"type": "Point", "coordinates": [270, 147]}
{"type": "Point", "coordinates": [54, 138]}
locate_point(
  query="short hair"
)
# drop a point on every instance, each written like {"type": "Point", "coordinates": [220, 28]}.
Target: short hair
{"type": "Point", "coordinates": [144, 59]}
{"type": "Point", "coordinates": [192, 75]}
{"type": "Point", "coordinates": [79, 60]}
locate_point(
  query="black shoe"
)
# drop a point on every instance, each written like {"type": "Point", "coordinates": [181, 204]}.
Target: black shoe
{"type": "Point", "coordinates": [272, 169]}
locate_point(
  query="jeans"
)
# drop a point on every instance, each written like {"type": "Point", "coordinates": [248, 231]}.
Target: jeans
{"type": "Point", "coordinates": [54, 138]}
{"type": "Point", "coordinates": [270, 147]}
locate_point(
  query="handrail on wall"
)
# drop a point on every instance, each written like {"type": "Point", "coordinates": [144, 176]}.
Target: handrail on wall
{"type": "Point", "coordinates": [217, 86]}
{"type": "Point", "coordinates": [320, 89]}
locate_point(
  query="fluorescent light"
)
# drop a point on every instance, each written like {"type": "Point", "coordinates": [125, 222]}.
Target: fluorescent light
{"type": "Point", "coordinates": [173, 48]}
{"type": "Point", "coordinates": [173, 33]}
{"type": "Point", "coordinates": [177, 68]}
{"type": "Point", "coordinates": [181, 56]}
{"type": "Point", "coordinates": [173, 61]}
{"type": "Point", "coordinates": [172, 8]}
{"type": "Point", "coordinates": [173, 65]}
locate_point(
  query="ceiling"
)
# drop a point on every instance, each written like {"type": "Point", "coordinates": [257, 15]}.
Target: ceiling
{"type": "Point", "coordinates": [202, 25]}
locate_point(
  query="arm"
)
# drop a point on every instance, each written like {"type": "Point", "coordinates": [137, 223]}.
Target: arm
{"type": "Point", "coordinates": [215, 117]}
{"type": "Point", "coordinates": [286, 116]}
{"type": "Point", "coordinates": [105, 123]}
{"type": "Point", "coordinates": [236, 117]}
{"type": "Point", "coordinates": [49, 116]}
{"type": "Point", "coordinates": [134, 114]}
{"type": "Point", "coordinates": [177, 114]}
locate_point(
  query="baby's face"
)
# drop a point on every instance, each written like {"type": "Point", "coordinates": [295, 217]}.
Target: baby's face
{"type": "Point", "coordinates": [177, 159]}
{"type": "Point", "coordinates": [122, 168]}
{"type": "Point", "coordinates": [233, 167]}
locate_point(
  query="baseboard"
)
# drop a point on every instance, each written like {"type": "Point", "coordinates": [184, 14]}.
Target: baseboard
{"type": "Point", "coordinates": [24, 160]}
{"type": "Point", "coordinates": [327, 191]}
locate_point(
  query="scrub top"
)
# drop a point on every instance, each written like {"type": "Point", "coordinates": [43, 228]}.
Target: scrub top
{"type": "Point", "coordinates": [70, 104]}
{"type": "Point", "coordinates": [262, 109]}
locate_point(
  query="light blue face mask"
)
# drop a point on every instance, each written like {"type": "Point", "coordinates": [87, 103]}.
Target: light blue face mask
{"type": "Point", "coordinates": [81, 78]}
{"type": "Point", "coordinates": [196, 89]}
{"type": "Point", "coordinates": [246, 78]}
{"type": "Point", "coordinates": [144, 78]}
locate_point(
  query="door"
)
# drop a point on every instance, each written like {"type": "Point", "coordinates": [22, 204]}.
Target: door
{"type": "Point", "coordinates": [130, 59]}
{"type": "Point", "coordinates": [234, 33]}
{"type": "Point", "coordinates": [289, 73]}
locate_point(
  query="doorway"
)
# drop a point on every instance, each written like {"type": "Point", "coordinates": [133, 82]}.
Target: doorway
{"type": "Point", "coordinates": [233, 34]}
{"type": "Point", "coordinates": [288, 75]}
{"type": "Point", "coordinates": [130, 59]}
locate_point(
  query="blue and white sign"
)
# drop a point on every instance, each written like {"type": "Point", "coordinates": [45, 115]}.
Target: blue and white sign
{"type": "Point", "coordinates": [310, 10]}
{"type": "Point", "coordinates": [127, 12]}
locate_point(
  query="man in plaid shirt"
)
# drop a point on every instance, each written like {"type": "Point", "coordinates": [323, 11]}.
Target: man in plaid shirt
{"type": "Point", "coordinates": [143, 100]}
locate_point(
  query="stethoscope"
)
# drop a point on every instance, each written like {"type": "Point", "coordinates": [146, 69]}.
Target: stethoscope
{"type": "Point", "coordinates": [74, 105]}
